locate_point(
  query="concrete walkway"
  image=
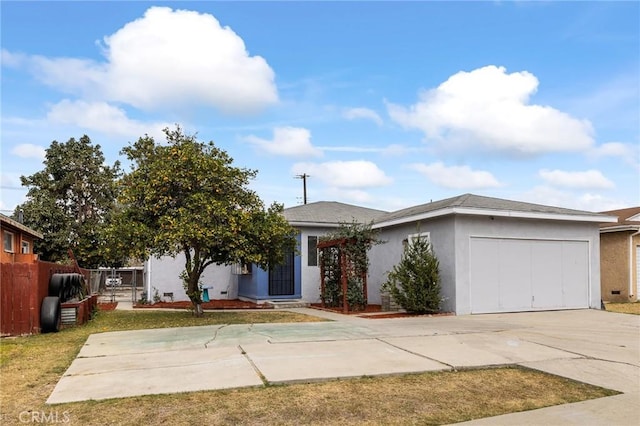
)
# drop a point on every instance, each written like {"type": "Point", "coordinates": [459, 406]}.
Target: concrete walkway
{"type": "Point", "coordinates": [596, 347]}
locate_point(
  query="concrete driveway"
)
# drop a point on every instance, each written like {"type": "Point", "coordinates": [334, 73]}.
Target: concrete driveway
{"type": "Point", "coordinates": [596, 347]}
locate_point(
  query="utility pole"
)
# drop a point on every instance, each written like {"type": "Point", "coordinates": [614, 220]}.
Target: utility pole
{"type": "Point", "coordinates": [304, 177]}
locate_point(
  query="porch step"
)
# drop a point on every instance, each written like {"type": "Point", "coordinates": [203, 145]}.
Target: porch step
{"type": "Point", "coordinates": [284, 304]}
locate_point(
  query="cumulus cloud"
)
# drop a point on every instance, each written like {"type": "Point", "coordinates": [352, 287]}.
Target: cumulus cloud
{"type": "Point", "coordinates": [568, 199]}
{"type": "Point", "coordinates": [166, 58]}
{"type": "Point", "coordinates": [102, 117]}
{"type": "Point", "coordinates": [489, 109]}
{"type": "Point", "coordinates": [590, 179]}
{"type": "Point", "coordinates": [456, 177]}
{"type": "Point", "coordinates": [362, 113]}
{"type": "Point", "coordinates": [287, 141]}
{"type": "Point", "coordinates": [28, 150]}
{"type": "Point", "coordinates": [630, 154]}
{"type": "Point", "coordinates": [345, 174]}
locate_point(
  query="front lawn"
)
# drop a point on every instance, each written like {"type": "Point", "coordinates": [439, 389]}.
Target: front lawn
{"type": "Point", "coordinates": [31, 366]}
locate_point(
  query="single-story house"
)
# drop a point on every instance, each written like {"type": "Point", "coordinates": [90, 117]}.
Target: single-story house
{"type": "Point", "coordinates": [17, 241]}
{"type": "Point", "coordinates": [495, 255]}
{"type": "Point", "coordinates": [620, 256]}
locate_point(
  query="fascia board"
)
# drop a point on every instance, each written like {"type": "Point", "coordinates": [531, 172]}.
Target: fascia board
{"type": "Point", "coordinates": [619, 228]}
{"type": "Point", "coordinates": [496, 213]}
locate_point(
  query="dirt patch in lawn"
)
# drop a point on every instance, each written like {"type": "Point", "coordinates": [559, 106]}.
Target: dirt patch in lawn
{"type": "Point", "coordinates": [107, 306]}
{"type": "Point", "coordinates": [624, 308]}
{"type": "Point", "coordinates": [212, 304]}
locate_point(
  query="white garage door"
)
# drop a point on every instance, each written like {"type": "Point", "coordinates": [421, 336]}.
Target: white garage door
{"type": "Point", "coordinates": [510, 275]}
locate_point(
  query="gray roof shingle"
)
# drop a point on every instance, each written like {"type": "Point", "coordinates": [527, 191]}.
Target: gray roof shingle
{"type": "Point", "coordinates": [331, 212]}
{"type": "Point", "coordinates": [471, 201]}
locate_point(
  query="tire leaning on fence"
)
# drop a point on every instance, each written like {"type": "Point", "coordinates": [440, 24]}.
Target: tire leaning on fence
{"type": "Point", "coordinates": [50, 314]}
{"type": "Point", "coordinates": [57, 283]}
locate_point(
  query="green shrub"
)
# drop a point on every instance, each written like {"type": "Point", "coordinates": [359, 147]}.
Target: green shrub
{"type": "Point", "coordinates": [414, 283]}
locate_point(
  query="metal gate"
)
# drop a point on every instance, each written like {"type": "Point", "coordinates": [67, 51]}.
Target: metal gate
{"type": "Point", "coordinates": [281, 278]}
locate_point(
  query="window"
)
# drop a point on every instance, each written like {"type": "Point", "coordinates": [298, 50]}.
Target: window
{"type": "Point", "coordinates": [24, 249]}
{"type": "Point", "coordinates": [7, 238]}
{"type": "Point", "coordinates": [312, 251]}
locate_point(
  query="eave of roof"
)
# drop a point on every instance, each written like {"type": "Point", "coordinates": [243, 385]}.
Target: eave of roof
{"type": "Point", "coordinates": [469, 204]}
{"type": "Point", "coordinates": [21, 227]}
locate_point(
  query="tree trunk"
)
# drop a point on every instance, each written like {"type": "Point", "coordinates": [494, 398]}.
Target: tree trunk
{"type": "Point", "coordinates": [195, 295]}
{"type": "Point", "coordinates": [197, 310]}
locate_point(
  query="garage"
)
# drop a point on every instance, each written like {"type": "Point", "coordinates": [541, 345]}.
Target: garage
{"type": "Point", "coordinates": [512, 274]}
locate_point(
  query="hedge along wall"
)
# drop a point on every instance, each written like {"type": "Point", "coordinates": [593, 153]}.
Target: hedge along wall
{"type": "Point", "coordinates": [22, 288]}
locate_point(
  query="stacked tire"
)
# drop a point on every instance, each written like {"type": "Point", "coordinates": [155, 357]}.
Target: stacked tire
{"type": "Point", "coordinates": [62, 287]}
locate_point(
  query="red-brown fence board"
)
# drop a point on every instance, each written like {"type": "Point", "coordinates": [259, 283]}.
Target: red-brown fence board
{"type": "Point", "coordinates": [22, 288]}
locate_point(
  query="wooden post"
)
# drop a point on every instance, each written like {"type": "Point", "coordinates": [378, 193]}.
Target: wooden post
{"type": "Point", "coordinates": [344, 281]}
{"type": "Point", "coordinates": [322, 278]}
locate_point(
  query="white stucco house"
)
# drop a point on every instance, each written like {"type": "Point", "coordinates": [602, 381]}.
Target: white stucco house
{"type": "Point", "coordinates": [495, 255]}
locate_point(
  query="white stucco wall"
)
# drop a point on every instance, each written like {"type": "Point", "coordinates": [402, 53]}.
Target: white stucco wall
{"type": "Point", "coordinates": [383, 257]}
{"type": "Point", "coordinates": [310, 274]}
{"type": "Point", "coordinates": [486, 226]}
{"type": "Point", "coordinates": [163, 274]}
{"type": "Point", "coordinates": [450, 239]}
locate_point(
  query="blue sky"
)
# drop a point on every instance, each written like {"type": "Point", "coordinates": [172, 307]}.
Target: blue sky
{"type": "Point", "coordinates": [383, 104]}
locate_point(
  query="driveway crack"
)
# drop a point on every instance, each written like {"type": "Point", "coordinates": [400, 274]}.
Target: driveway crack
{"type": "Point", "coordinates": [215, 335]}
{"type": "Point", "coordinates": [417, 354]}
{"type": "Point", "coordinates": [583, 356]}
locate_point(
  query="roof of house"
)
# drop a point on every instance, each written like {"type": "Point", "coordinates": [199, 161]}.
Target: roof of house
{"type": "Point", "coordinates": [330, 212]}
{"type": "Point", "coordinates": [478, 205]}
{"type": "Point", "coordinates": [627, 219]}
{"type": "Point", "coordinates": [6, 220]}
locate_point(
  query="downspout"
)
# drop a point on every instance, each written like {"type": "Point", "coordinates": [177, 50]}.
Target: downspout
{"type": "Point", "coordinates": [631, 266]}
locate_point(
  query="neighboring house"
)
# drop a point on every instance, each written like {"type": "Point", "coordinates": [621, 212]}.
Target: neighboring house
{"type": "Point", "coordinates": [620, 256]}
{"type": "Point", "coordinates": [17, 241]}
{"type": "Point", "coordinates": [495, 255]}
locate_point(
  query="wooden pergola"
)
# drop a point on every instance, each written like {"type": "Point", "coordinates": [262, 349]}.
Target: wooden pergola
{"type": "Point", "coordinates": [347, 268]}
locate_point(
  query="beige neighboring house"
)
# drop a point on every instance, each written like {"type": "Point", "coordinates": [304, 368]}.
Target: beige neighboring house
{"type": "Point", "coordinates": [620, 256]}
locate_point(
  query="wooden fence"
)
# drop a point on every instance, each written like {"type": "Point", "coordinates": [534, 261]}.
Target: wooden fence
{"type": "Point", "coordinates": [22, 288]}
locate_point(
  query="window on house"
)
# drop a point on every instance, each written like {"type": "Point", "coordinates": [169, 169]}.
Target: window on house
{"type": "Point", "coordinates": [312, 251]}
{"type": "Point", "coordinates": [7, 238]}
{"type": "Point", "coordinates": [25, 247]}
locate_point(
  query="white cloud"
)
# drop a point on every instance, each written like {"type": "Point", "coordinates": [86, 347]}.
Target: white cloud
{"type": "Point", "coordinates": [590, 179]}
{"type": "Point", "coordinates": [102, 117]}
{"type": "Point", "coordinates": [288, 141]}
{"type": "Point", "coordinates": [345, 174]}
{"type": "Point", "coordinates": [561, 198]}
{"type": "Point", "coordinates": [630, 154]}
{"type": "Point", "coordinates": [489, 109]}
{"type": "Point", "coordinates": [351, 196]}
{"type": "Point", "coordinates": [364, 113]}
{"type": "Point", "coordinates": [456, 177]}
{"type": "Point", "coordinates": [166, 59]}
{"type": "Point", "coordinates": [28, 150]}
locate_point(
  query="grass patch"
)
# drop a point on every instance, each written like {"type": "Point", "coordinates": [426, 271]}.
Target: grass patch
{"type": "Point", "coordinates": [31, 366]}
{"type": "Point", "coordinates": [624, 308]}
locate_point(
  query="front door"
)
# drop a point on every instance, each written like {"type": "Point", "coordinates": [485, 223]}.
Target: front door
{"type": "Point", "coordinates": [281, 278]}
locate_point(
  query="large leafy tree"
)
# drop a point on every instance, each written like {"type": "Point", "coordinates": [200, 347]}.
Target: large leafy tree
{"type": "Point", "coordinates": [187, 197]}
{"type": "Point", "coordinates": [69, 201]}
